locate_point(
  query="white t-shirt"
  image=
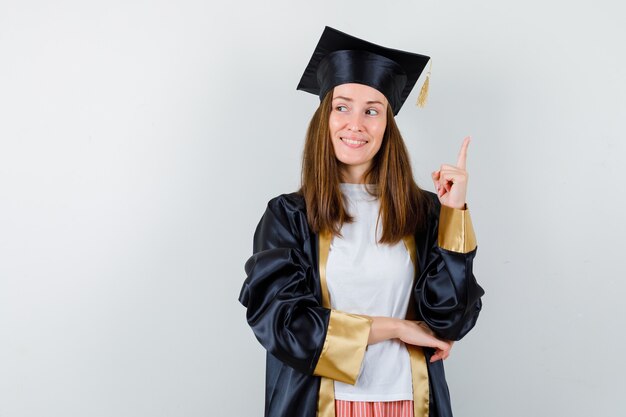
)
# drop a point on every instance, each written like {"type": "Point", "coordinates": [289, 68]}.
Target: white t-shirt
{"type": "Point", "coordinates": [364, 277]}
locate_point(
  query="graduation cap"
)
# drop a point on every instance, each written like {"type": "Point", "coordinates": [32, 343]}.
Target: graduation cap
{"type": "Point", "coordinates": [340, 58]}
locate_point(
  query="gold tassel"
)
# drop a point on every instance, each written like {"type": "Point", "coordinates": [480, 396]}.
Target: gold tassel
{"type": "Point", "coordinates": [423, 95]}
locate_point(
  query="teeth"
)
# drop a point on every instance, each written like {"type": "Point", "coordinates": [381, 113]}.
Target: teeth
{"type": "Point", "coordinates": [353, 142]}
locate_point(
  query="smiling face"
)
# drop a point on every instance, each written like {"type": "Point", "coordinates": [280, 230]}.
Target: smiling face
{"type": "Point", "coordinates": [357, 124]}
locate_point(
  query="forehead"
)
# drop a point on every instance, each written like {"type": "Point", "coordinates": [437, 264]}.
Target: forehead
{"type": "Point", "coordinates": [359, 92]}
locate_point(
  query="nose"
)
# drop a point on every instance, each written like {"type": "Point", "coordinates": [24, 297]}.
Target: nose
{"type": "Point", "coordinates": [355, 123]}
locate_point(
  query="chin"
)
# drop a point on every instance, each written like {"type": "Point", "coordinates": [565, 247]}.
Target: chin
{"type": "Point", "coordinates": [352, 162]}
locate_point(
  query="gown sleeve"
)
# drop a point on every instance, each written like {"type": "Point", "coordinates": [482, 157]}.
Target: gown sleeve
{"type": "Point", "coordinates": [282, 297]}
{"type": "Point", "coordinates": [446, 291]}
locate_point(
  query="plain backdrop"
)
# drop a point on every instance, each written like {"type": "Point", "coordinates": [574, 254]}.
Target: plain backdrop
{"type": "Point", "coordinates": [141, 140]}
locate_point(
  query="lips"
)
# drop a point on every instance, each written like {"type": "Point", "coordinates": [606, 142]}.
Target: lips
{"type": "Point", "coordinates": [353, 143]}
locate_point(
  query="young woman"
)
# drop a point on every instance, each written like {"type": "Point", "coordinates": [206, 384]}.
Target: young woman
{"type": "Point", "coordinates": [360, 281]}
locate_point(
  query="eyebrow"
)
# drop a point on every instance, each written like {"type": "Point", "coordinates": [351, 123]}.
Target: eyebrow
{"type": "Point", "coordinates": [349, 99]}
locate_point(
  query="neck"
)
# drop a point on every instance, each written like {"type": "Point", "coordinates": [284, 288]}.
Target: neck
{"type": "Point", "coordinates": [353, 174]}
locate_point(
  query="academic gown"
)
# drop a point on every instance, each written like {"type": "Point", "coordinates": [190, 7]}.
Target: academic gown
{"type": "Point", "coordinates": [309, 344]}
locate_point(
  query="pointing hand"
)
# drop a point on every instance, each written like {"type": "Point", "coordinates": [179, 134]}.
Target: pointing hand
{"type": "Point", "coordinates": [451, 181]}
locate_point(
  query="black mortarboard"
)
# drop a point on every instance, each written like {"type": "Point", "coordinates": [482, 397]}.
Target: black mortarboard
{"type": "Point", "coordinates": [340, 58]}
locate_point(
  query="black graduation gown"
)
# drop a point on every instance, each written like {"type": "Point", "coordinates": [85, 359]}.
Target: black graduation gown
{"type": "Point", "coordinates": [283, 297]}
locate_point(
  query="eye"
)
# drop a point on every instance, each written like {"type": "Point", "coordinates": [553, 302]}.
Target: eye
{"type": "Point", "coordinates": [340, 107]}
{"type": "Point", "coordinates": [373, 112]}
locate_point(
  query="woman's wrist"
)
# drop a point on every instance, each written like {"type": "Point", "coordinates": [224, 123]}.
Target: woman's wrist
{"type": "Point", "coordinates": [384, 328]}
{"type": "Point", "coordinates": [396, 327]}
{"type": "Point", "coordinates": [457, 207]}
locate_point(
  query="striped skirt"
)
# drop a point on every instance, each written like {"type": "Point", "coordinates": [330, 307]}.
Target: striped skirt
{"type": "Point", "coordinates": [403, 408]}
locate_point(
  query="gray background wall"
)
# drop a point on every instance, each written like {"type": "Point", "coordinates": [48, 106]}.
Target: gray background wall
{"type": "Point", "coordinates": [141, 141]}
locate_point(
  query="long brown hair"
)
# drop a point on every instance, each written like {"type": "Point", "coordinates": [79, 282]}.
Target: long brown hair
{"type": "Point", "coordinates": [403, 205]}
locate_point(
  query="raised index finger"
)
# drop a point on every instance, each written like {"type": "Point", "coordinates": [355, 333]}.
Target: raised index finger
{"type": "Point", "coordinates": [460, 163]}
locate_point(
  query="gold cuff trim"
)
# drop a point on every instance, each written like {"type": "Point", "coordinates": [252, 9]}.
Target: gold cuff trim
{"type": "Point", "coordinates": [419, 373]}
{"type": "Point", "coordinates": [456, 232]}
{"type": "Point", "coordinates": [344, 347]}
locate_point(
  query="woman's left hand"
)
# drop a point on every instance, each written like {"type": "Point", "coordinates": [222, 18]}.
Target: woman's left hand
{"type": "Point", "coordinates": [442, 354]}
{"type": "Point", "coordinates": [451, 181]}
{"type": "Point", "coordinates": [439, 354]}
